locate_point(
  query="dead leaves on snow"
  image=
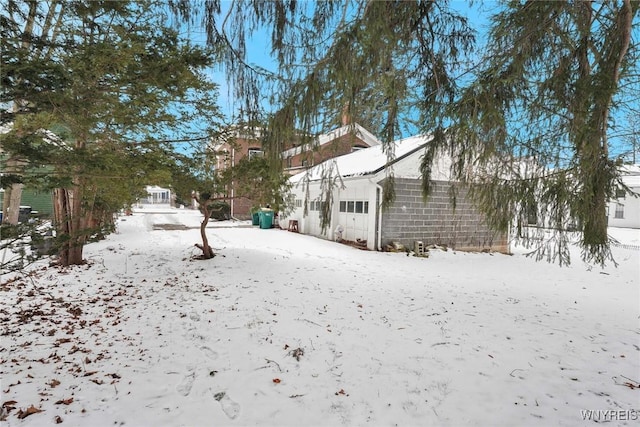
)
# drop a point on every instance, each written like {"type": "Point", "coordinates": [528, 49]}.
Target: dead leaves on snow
{"type": "Point", "coordinates": [7, 407]}
{"type": "Point", "coordinates": [297, 353]}
{"type": "Point", "coordinates": [74, 325]}
{"type": "Point", "coordinates": [627, 382]}
{"type": "Point", "coordinates": [29, 411]}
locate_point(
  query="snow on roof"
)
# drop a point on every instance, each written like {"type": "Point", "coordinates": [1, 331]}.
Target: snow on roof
{"type": "Point", "coordinates": [630, 175]}
{"type": "Point", "coordinates": [630, 169]}
{"type": "Point", "coordinates": [631, 181]}
{"type": "Point", "coordinates": [325, 138]}
{"type": "Point", "coordinates": [363, 162]}
{"type": "Point", "coordinates": [322, 139]}
{"type": "Point", "coordinates": [47, 136]}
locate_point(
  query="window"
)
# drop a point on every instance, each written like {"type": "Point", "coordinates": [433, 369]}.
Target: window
{"type": "Point", "coordinates": [350, 206]}
{"type": "Point", "coordinates": [620, 193]}
{"type": "Point", "coordinates": [255, 152]}
{"type": "Point", "coordinates": [619, 211]}
{"type": "Point", "coordinates": [298, 203]}
{"type": "Point", "coordinates": [360, 207]}
{"type": "Point", "coordinates": [315, 205]}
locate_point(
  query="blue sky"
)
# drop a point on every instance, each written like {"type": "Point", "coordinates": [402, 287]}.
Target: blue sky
{"type": "Point", "coordinates": [477, 12]}
{"type": "Point", "coordinates": [258, 48]}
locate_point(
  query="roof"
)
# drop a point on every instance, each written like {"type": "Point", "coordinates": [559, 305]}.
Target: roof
{"type": "Point", "coordinates": [326, 138]}
{"type": "Point", "coordinates": [47, 136]}
{"type": "Point", "coordinates": [322, 139]}
{"type": "Point", "coordinates": [156, 189]}
{"type": "Point", "coordinates": [367, 161]}
{"type": "Point", "coordinates": [630, 175]}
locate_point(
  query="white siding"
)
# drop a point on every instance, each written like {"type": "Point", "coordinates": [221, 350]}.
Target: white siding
{"type": "Point", "coordinates": [356, 225]}
{"type": "Point", "coordinates": [628, 207]}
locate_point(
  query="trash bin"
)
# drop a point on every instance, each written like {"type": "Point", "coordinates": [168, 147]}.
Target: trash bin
{"type": "Point", "coordinates": [24, 214]}
{"type": "Point", "coordinates": [255, 218]}
{"type": "Point", "coordinates": [266, 218]}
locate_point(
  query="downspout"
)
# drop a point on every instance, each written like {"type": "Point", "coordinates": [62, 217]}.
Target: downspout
{"type": "Point", "coordinates": [379, 225]}
{"type": "Point", "coordinates": [509, 230]}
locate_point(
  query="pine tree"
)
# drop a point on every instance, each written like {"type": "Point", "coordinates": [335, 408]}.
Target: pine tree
{"type": "Point", "coordinates": [531, 133]}
{"type": "Point", "coordinates": [113, 82]}
{"type": "Point", "coordinates": [527, 125]}
{"type": "Point", "coordinates": [256, 179]}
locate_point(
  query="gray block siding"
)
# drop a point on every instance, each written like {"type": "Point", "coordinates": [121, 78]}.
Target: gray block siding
{"type": "Point", "coordinates": [410, 219]}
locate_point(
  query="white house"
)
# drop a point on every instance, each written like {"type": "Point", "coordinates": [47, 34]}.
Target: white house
{"type": "Point", "coordinates": [624, 210]}
{"type": "Point", "coordinates": [355, 202]}
{"type": "Point", "coordinates": [158, 195]}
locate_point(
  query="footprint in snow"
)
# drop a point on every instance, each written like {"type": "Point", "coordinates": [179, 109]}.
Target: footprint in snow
{"type": "Point", "coordinates": [229, 407]}
{"type": "Point", "coordinates": [410, 408]}
{"type": "Point", "coordinates": [209, 353]}
{"type": "Point", "coordinates": [185, 385]}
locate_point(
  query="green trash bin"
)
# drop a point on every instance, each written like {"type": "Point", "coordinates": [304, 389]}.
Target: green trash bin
{"type": "Point", "coordinates": [255, 218]}
{"type": "Point", "coordinates": [266, 218]}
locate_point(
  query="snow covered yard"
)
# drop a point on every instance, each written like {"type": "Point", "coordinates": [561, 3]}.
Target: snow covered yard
{"type": "Point", "coordinates": [286, 329]}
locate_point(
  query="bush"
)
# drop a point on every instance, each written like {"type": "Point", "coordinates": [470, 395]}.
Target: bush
{"type": "Point", "coordinates": [220, 210]}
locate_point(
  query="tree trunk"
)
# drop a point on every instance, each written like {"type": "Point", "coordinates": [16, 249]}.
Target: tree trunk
{"type": "Point", "coordinates": [596, 169]}
{"type": "Point", "coordinates": [61, 222]}
{"type": "Point", "coordinates": [207, 252]}
{"type": "Point", "coordinates": [11, 204]}
{"type": "Point", "coordinates": [70, 225]}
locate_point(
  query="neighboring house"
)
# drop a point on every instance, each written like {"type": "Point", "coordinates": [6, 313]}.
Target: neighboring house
{"type": "Point", "coordinates": [158, 196]}
{"type": "Point", "coordinates": [624, 210]}
{"type": "Point", "coordinates": [228, 152]}
{"type": "Point", "coordinates": [356, 208]}
{"type": "Point", "coordinates": [345, 139]}
{"type": "Point", "coordinates": [41, 202]}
